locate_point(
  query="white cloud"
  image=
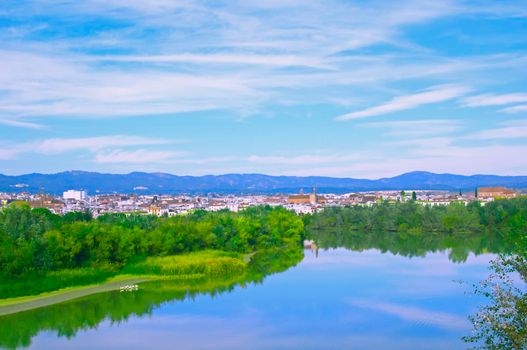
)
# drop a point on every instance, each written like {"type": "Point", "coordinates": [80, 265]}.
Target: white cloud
{"type": "Point", "coordinates": [515, 109]}
{"type": "Point", "coordinates": [494, 100]}
{"type": "Point", "coordinates": [306, 159]}
{"type": "Point", "coordinates": [265, 60]}
{"type": "Point", "coordinates": [20, 123]}
{"type": "Point", "coordinates": [438, 155]}
{"type": "Point", "coordinates": [417, 127]}
{"type": "Point", "coordinates": [61, 145]}
{"type": "Point", "coordinates": [7, 153]}
{"type": "Point", "coordinates": [432, 95]}
{"type": "Point", "coordinates": [511, 130]}
{"type": "Point", "coordinates": [136, 157]}
{"type": "Point", "coordinates": [56, 146]}
{"type": "Point", "coordinates": [176, 71]}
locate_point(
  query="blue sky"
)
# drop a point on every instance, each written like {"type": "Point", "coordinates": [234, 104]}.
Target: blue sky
{"type": "Point", "coordinates": [338, 88]}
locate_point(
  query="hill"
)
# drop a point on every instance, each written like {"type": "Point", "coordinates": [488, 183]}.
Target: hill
{"type": "Point", "coordinates": [148, 183]}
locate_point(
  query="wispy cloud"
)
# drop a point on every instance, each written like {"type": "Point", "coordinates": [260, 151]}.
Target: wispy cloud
{"type": "Point", "coordinates": [414, 314]}
{"type": "Point", "coordinates": [140, 156]}
{"type": "Point", "coordinates": [61, 145]}
{"type": "Point", "coordinates": [515, 109]}
{"type": "Point", "coordinates": [267, 54]}
{"type": "Point", "coordinates": [511, 130]}
{"type": "Point", "coordinates": [207, 64]}
{"type": "Point", "coordinates": [7, 153]}
{"type": "Point", "coordinates": [494, 100]}
{"type": "Point", "coordinates": [439, 155]}
{"type": "Point", "coordinates": [236, 59]}
{"type": "Point", "coordinates": [401, 103]}
{"type": "Point", "coordinates": [55, 146]}
{"type": "Point", "coordinates": [417, 127]}
{"type": "Point", "coordinates": [21, 123]}
{"type": "Point", "coordinates": [305, 159]}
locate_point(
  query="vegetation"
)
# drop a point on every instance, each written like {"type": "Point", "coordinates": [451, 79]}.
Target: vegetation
{"type": "Point", "coordinates": [410, 229]}
{"type": "Point", "coordinates": [67, 318]}
{"type": "Point", "coordinates": [509, 217]}
{"type": "Point", "coordinates": [53, 280]}
{"type": "Point", "coordinates": [205, 263]}
{"type": "Point", "coordinates": [502, 322]}
{"type": "Point", "coordinates": [37, 246]}
{"type": "Point", "coordinates": [40, 251]}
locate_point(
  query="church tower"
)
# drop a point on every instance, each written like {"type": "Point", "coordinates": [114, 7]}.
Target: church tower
{"type": "Point", "coordinates": [313, 196]}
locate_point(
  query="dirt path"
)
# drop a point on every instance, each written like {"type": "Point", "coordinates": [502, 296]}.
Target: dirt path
{"type": "Point", "coordinates": [60, 296]}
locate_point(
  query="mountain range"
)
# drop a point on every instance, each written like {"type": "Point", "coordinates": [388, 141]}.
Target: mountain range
{"type": "Point", "coordinates": [159, 183]}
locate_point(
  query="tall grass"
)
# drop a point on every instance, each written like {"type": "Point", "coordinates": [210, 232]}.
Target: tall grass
{"type": "Point", "coordinates": [204, 263]}
{"type": "Point", "coordinates": [36, 284]}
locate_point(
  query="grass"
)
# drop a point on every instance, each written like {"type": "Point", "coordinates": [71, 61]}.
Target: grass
{"type": "Point", "coordinates": [54, 280]}
{"type": "Point", "coordinates": [14, 305]}
{"type": "Point", "coordinates": [209, 263]}
{"type": "Point", "coordinates": [58, 286]}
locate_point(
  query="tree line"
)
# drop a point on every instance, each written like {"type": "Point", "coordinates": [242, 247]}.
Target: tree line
{"type": "Point", "coordinates": [509, 217]}
{"type": "Point", "coordinates": [36, 241]}
{"type": "Point", "coordinates": [411, 229]}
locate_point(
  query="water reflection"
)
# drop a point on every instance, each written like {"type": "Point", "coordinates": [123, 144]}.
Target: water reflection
{"type": "Point", "coordinates": [68, 318]}
{"type": "Point", "coordinates": [459, 245]}
{"type": "Point", "coordinates": [333, 299]}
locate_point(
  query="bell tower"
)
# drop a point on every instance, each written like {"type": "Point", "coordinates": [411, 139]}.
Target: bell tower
{"type": "Point", "coordinates": [313, 196]}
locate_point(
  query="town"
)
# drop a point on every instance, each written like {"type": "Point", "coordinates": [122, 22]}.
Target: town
{"type": "Point", "coordinates": [301, 203]}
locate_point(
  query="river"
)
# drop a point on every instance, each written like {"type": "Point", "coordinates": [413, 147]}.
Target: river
{"type": "Point", "coordinates": [333, 299]}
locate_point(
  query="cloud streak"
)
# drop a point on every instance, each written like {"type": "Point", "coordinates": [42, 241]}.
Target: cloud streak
{"type": "Point", "coordinates": [494, 100]}
{"type": "Point", "coordinates": [61, 145]}
{"type": "Point", "coordinates": [432, 95]}
{"type": "Point", "coordinates": [515, 109]}
{"type": "Point", "coordinates": [141, 156]}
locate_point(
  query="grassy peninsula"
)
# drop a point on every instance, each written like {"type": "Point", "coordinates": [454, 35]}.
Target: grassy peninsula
{"type": "Point", "coordinates": [41, 252]}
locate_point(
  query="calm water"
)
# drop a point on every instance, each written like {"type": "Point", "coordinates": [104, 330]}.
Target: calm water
{"type": "Point", "coordinates": [339, 299]}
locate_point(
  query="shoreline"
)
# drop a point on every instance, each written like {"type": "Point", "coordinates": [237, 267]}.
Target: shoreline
{"type": "Point", "coordinates": [25, 303]}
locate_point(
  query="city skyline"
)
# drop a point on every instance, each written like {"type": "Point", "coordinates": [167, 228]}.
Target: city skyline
{"type": "Point", "coordinates": [346, 89]}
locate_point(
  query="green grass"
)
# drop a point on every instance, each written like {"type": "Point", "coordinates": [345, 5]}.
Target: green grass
{"type": "Point", "coordinates": [192, 266]}
{"type": "Point", "coordinates": [37, 284]}
{"type": "Point", "coordinates": [210, 263]}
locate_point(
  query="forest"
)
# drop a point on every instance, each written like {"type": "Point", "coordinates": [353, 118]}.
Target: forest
{"type": "Point", "coordinates": [508, 218]}
{"type": "Point", "coordinates": [40, 251]}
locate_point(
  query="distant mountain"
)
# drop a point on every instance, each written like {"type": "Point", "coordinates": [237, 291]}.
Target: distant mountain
{"type": "Point", "coordinates": [148, 183]}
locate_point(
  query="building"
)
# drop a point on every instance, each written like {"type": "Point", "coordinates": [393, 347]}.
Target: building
{"type": "Point", "coordinates": [301, 198]}
{"type": "Point", "coordinates": [76, 195]}
{"type": "Point", "coordinates": [496, 192]}
{"type": "Point", "coordinates": [48, 202]}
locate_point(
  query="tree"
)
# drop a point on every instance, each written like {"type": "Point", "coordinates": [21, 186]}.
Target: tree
{"type": "Point", "coordinates": [414, 196]}
{"type": "Point", "coordinates": [502, 323]}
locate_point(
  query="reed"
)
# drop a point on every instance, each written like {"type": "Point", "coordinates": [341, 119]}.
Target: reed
{"type": "Point", "coordinates": [204, 263]}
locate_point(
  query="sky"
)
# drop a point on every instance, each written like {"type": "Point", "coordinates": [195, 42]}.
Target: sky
{"type": "Point", "coordinates": [363, 89]}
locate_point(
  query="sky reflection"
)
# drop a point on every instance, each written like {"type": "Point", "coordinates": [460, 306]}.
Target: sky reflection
{"type": "Point", "coordinates": [338, 300]}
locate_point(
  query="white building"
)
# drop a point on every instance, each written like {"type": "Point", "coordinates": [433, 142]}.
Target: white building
{"type": "Point", "coordinates": [76, 195]}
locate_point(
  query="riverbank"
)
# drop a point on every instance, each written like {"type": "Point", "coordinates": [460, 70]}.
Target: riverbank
{"type": "Point", "coordinates": [190, 266]}
{"type": "Point", "coordinates": [19, 304]}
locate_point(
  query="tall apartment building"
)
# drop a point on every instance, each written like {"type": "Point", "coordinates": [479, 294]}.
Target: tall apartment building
{"type": "Point", "coordinates": [74, 194]}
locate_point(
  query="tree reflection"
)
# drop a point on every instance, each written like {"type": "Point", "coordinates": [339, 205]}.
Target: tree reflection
{"type": "Point", "coordinates": [502, 323]}
{"type": "Point", "coordinates": [68, 318]}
